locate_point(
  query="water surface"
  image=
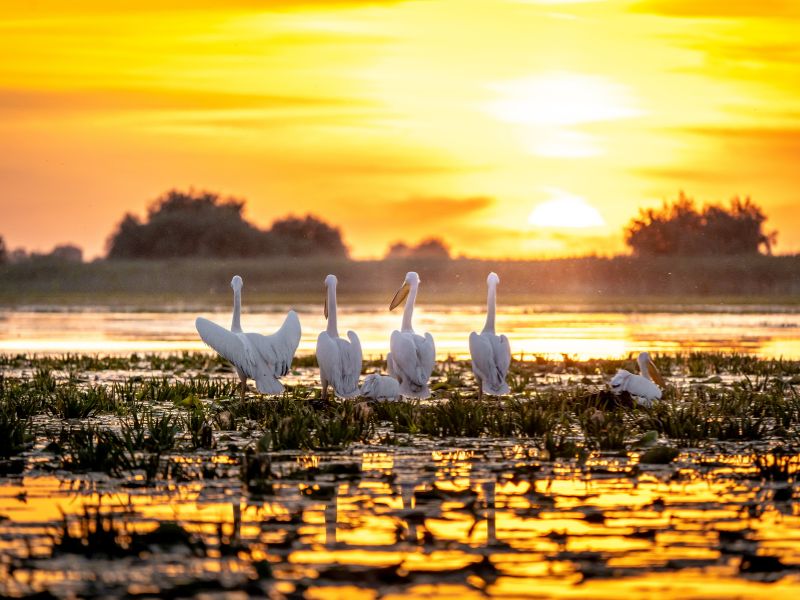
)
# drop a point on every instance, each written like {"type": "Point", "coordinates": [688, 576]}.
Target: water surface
{"type": "Point", "coordinates": [549, 331]}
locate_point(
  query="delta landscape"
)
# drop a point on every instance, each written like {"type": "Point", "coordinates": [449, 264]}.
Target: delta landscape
{"type": "Point", "coordinates": [399, 299]}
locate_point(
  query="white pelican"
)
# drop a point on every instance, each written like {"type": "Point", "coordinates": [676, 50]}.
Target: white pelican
{"type": "Point", "coordinates": [412, 356]}
{"type": "Point", "coordinates": [380, 387]}
{"type": "Point", "coordinates": [640, 386]}
{"type": "Point", "coordinates": [339, 360]}
{"type": "Point", "coordinates": [491, 353]}
{"type": "Point", "coordinates": [263, 358]}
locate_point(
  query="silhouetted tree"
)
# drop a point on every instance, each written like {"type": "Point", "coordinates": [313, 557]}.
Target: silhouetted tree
{"type": "Point", "coordinates": [3, 251]}
{"type": "Point", "coordinates": [307, 235]}
{"type": "Point", "coordinates": [681, 228]}
{"type": "Point", "coordinates": [202, 224]}
{"type": "Point", "coordinates": [430, 248]}
{"type": "Point", "coordinates": [67, 253]}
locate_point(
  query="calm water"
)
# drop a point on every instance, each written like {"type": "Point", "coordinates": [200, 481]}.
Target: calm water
{"type": "Point", "coordinates": [768, 332]}
{"type": "Point", "coordinates": [485, 519]}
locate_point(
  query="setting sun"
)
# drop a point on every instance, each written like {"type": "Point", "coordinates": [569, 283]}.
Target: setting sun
{"type": "Point", "coordinates": [566, 211]}
{"type": "Point", "coordinates": [341, 109]}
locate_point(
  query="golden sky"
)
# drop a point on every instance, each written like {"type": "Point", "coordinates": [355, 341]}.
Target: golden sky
{"type": "Point", "coordinates": [509, 128]}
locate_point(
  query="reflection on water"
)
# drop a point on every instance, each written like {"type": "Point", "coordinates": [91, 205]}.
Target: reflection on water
{"type": "Point", "coordinates": [531, 331]}
{"type": "Point", "coordinates": [484, 518]}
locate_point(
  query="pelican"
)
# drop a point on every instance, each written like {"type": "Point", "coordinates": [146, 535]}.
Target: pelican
{"type": "Point", "coordinates": [491, 354]}
{"type": "Point", "coordinates": [263, 358]}
{"type": "Point", "coordinates": [640, 386]}
{"type": "Point", "coordinates": [380, 387]}
{"type": "Point", "coordinates": [412, 356]}
{"type": "Point", "coordinates": [339, 360]}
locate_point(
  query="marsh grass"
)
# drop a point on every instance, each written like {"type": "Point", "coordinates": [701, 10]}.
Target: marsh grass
{"type": "Point", "coordinates": [159, 414]}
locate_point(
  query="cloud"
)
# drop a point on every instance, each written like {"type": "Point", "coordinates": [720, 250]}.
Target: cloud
{"type": "Point", "coordinates": [785, 142]}
{"type": "Point", "coordinates": [441, 208]}
{"type": "Point", "coordinates": [716, 9]}
{"type": "Point", "coordinates": [426, 215]}
{"type": "Point", "coordinates": [164, 99]}
{"type": "Point", "coordinates": [24, 8]}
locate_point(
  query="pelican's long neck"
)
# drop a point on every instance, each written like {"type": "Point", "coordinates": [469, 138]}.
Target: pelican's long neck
{"type": "Point", "coordinates": [236, 323]}
{"type": "Point", "coordinates": [491, 308]}
{"type": "Point", "coordinates": [408, 312]}
{"type": "Point", "coordinates": [332, 330]}
{"type": "Point", "coordinates": [643, 370]}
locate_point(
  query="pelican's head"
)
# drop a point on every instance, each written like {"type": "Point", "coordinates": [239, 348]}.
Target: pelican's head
{"type": "Point", "coordinates": [648, 369]}
{"type": "Point", "coordinates": [237, 283]}
{"type": "Point", "coordinates": [620, 381]}
{"type": "Point", "coordinates": [330, 282]}
{"type": "Point", "coordinates": [492, 279]}
{"type": "Point", "coordinates": [411, 280]}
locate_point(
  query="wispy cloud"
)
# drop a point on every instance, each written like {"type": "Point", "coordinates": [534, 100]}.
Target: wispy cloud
{"type": "Point", "coordinates": [717, 9]}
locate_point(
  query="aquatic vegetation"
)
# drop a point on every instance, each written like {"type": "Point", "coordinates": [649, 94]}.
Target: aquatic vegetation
{"type": "Point", "coordinates": [290, 491]}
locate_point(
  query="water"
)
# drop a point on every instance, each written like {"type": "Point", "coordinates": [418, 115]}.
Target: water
{"type": "Point", "coordinates": [575, 331]}
{"type": "Point", "coordinates": [483, 518]}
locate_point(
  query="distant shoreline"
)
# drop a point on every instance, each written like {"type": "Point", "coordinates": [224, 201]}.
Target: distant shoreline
{"type": "Point", "coordinates": [611, 284]}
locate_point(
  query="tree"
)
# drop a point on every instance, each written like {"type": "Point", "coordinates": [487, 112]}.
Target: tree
{"type": "Point", "coordinates": [202, 224]}
{"type": "Point", "coordinates": [308, 235]}
{"type": "Point", "coordinates": [429, 248]}
{"type": "Point", "coordinates": [3, 251]}
{"type": "Point", "coordinates": [681, 228]}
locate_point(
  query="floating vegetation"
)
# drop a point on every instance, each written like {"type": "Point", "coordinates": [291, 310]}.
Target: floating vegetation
{"type": "Point", "coordinates": [122, 485]}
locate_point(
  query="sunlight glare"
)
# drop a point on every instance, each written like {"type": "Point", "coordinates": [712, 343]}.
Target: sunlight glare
{"type": "Point", "coordinates": [565, 210]}
{"type": "Point", "coordinates": [561, 99]}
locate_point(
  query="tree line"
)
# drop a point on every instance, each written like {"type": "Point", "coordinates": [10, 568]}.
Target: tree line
{"type": "Point", "coordinates": [204, 224]}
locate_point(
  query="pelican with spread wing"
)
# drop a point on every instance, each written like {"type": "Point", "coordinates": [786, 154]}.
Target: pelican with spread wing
{"type": "Point", "coordinates": [642, 387]}
{"type": "Point", "coordinates": [491, 353]}
{"type": "Point", "coordinates": [339, 360]}
{"type": "Point", "coordinates": [263, 358]}
{"type": "Point", "coordinates": [412, 356]}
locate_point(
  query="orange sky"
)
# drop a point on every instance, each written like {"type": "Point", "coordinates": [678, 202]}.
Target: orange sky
{"type": "Point", "coordinates": [509, 128]}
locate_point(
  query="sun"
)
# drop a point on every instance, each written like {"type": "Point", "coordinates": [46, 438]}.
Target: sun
{"type": "Point", "coordinates": [565, 210]}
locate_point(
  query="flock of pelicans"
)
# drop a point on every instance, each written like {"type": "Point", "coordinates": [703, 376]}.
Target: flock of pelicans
{"type": "Point", "coordinates": [410, 362]}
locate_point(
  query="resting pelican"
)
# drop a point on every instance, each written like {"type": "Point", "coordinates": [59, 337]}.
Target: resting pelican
{"type": "Point", "coordinates": [263, 358]}
{"type": "Point", "coordinates": [380, 387]}
{"type": "Point", "coordinates": [640, 386]}
{"type": "Point", "coordinates": [412, 356]}
{"type": "Point", "coordinates": [491, 354]}
{"type": "Point", "coordinates": [339, 360]}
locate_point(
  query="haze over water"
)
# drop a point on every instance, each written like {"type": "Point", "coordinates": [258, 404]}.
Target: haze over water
{"type": "Point", "coordinates": [536, 330]}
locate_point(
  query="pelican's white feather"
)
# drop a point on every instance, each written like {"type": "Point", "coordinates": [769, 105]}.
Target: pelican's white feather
{"type": "Point", "coordinates": [339, 360]}
{"type": "Point", "coordinates": [262, 358]}
{"type": "Point", "coordinates": [644, 390]}
{"type": "Point", "coordinates": [380, 387]}
{"type": "Point", "coordinates": [491, 358]}
{"type": "Point", "coordinates": [491, 353]}
{"type": "Point", "coordinates": [412, 356]}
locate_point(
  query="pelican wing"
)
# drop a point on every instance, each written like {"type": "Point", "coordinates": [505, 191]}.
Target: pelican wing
{"type": "Point", "coordinates": [226, 343]}
{"type": "Point", "coordinates": [426, 350]}
{"type": "Point", "coordinates": [491, 356]}
{"type": "Point", "coordinates": [278, 349]}
{"type": "Point", "coordinates": [340, 363]}
{"type": "Point", "coordinates": [642, 387]}
{"type": "Point", "coordinates": [480, 350]}
{"type": "Point", "coordinates": [503, 352]}
{"type": "Point", "coordinates": [406, 360]}
{"type": "Point", "coordinates": [354, 356]}
{"type": "Point", "coordinates": [380, 387]}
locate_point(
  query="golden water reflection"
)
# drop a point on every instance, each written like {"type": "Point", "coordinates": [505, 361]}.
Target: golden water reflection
{"type": "Point", "coordinates": [478, 519]}
{"type": "Point", "coordinates": [532, 330]}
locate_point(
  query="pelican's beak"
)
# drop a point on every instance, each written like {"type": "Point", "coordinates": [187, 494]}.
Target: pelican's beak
{"type": "Point", "coordinates": [654, 374]}
{"type": "Point", "coordinates": [326, 305]}
{"type": "Point", "coordinates": [400, 296]}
